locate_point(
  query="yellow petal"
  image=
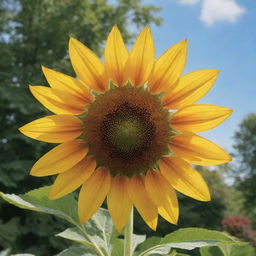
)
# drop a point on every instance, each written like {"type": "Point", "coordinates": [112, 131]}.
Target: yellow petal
{"type": "Point", "coordinates": [57, 101]}
{"type": "Point", "coordinates": [93, 193]}
{"type": "Point", "coordinates": [198, 150]}
{"type": "Point", "coordinates": [162, 195]}
{"type": "Point", "coordinates": [199, 117]}
{"type": "Point", "coordinates": [116, 56]}
{"type": "Point", "coordinates": [119, 203]}
{"type": "Point", "coordinates": [87, 66]}
{"type": "Point", "coordinates": [69, 84]}
{"type": "Point", "coordinates": [73, 178]}
{"type": "Point", "coordinates": [184, 178]}
{"type": "Point", "coordinates": [55, 128]}
{"type": "Point", "coordinates": [138, 195]}
{"type": "Point", "coordinates": [190, 88]}
{"type": "Point", "coordinates": [168, 68]}
{"type": "Point", "coordinates": [60, 158]}
{"type": "Point", "coordinates": [141, 58]}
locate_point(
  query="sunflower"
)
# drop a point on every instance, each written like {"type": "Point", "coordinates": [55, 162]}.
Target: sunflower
{"type": "Point", "coordinates": [127, 129]}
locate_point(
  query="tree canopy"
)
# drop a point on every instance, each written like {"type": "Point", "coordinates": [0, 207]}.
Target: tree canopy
{"type": "Point", "coordinates": [245, 153]}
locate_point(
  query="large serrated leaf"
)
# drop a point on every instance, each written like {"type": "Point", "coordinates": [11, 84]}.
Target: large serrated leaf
{"type": "Point", "coordinates": [77, 251]}
{"type": "Point", "coordinates": [136, 240]}
{"type": "Point", "coordinates": [74, 234]}
{"type": "Point", "coordinates": [196, 234]}
{"type": "Point", "coordinates": [117, 247]}
{"type": "Point", "coordinates": [229, 250]}
{"type": "Point", "coordinates": [98, 234]}
{"type": "Point", "coordinates": [187, 238]}
{"type": "Point", "coordinates": [37, 200]}
{"type": "Point", "coordinates": [101, 230]}
{"type": "Point", "coordinates": [150, 246]}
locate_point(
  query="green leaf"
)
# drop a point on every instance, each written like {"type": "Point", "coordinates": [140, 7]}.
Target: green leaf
{"type": "Point", "coordinates": [196, 234]}
{"type": "Point", "coordinates": [211, 251]}
{"type": "Point", "coordinates": [5, 252]}
{"type": "Point", "coordinates": [136, 240]}
{"type": "Point", "coordinates": [101, 230]}
{"type": "Point", "coordinates": [9, 232]}
{"type": "Point", "coordinates": [37, 200]}
{"type": "Point", "coordinates": [187, 238]}
{"type": "Point", "coordinates": [74, 234]}
{"type": "Point", "coordinates": [117, 247]}
{"type": "Point", "coordinates": [98, 234]}
{"type": "Point", "coordinates": [77, 251]}
{"type": "Point", "coordinates": [151, 245]}
{"type": "Point", "coordinates": [229, 250]}
{"type": "Point", "coordinates": [174, 253]}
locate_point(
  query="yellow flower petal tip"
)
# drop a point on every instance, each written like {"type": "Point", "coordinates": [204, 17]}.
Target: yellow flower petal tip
{"type": "Point", "coordinates": [115, 58]}
{"type": "Point", "coordinates": [72, 40]}
{"type": "Point", "coordinates": [198, 150]}
{"type": "Point", "coordinates": [168, 68]}
{"type": "Point", "coordinates": [43, 68]}
{"type": "Point", "coordinates": [128, 129]}
{"type": "Point", "coordinates": [190, 88]}
{"type": "Point", "coordinates": [141, 58]}
{"type": "Point", "coordinates": [60, 158]}
{"type": "Point", "coordinates": [153, 225]}
{"type": "Point", "coordinates": [206, 197]}
{"type": "Point", "coordinates": [118, 201]}
{"type": "Point", "coordinates": [183, 43]}
{"type": "Point", "coordinates": [46, 70]}
{"type": "Point", "coordinates": [54, 128]}
{"type": "Point", "coordinates": [52, 196]}
{"type": "Point", "coordinates": [229, 112]}
{"type": "Point", "coordinates": [199, 117]}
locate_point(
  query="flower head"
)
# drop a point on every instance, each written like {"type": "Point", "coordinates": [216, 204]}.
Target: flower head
{"type": "Point", "coordinates": [127, 129]}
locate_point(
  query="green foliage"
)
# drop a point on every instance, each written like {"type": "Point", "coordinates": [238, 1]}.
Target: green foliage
{"type": "Point", "coordinates": [37, 200]}
{"type": "Point", "coordinates": [35, 33]}
{"type": "Point", "coordinates": [77, 251]}
{"type": "Point", "coordinates": [99, 237]}
{"type": "Point", "coordinates": [245, 142]}
{"type": "Point", "coordinates": [97, 234]}
{"type": "Point", "coordinates": [245, 146]}
{"type": "Point", "coordinates": [10, 231]}
{"type": "Point", "coordinates": [231, 198]}
{"type": "Point", "coordinates": [228, 250]}
{"type": "Point", "coordinates": [188, 239]}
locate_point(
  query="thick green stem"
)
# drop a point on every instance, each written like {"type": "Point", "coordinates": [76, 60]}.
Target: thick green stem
{"type": "Point", "coordinates": [128, 236]}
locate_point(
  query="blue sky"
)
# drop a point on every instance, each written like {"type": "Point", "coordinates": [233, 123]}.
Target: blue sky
{"type": "Point", "coordinates": [221, 36]}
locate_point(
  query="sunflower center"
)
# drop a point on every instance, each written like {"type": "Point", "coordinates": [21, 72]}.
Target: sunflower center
{"type": "Point", "coordinates": [127, 130]}
{"type": "Point", "coordinates": [127, 134]}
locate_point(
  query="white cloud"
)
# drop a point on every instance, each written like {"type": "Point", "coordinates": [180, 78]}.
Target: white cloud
{"type": "Point", "coordinates": [220, 10]}
{"type": "Point", "coordinates": [188, 2]}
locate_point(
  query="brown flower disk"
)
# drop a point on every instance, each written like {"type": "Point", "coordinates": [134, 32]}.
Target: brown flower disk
{"type": "Point", "coordinates": [127, 130]}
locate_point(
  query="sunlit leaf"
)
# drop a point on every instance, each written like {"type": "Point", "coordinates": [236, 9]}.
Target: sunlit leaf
{"type": "Point", "coordinates": [77, 251]}
{"type": "Point", "coordinates": [37, 200]}
{"type": "Point", "coordinates": [187, 238]}
{"type": "Point", "coordinates": [228, 250]}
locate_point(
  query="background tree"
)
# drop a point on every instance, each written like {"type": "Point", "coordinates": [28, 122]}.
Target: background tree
{"type": "Point", "coordinates": [245, 153]}
{"type": "Point", "coordinates": [35, 33]}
